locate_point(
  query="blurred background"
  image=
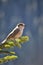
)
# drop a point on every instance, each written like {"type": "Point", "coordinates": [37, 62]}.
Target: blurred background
{"type": "Point", "coordinates": [29, 12]}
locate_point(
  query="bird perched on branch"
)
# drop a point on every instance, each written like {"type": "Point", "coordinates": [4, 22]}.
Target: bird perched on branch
{"type": "Point", "coordinates": [15, 33]}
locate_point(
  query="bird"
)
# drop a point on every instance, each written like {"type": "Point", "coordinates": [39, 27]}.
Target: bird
{"type": "Point", "coordinates": [15, 33]}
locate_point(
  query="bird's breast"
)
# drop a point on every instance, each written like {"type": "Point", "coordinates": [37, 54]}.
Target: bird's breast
{"type": "Point", "coordinates": [19, 34]}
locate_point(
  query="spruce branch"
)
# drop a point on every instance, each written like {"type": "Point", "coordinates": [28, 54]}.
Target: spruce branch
{"type": "Point", "coordinates": [16, 42]}
{"type": "Point", "coordinates": [6, 52]}
{"type": "Point", "coordinates": [8, 58]}
{"type": "Point", "coordinates": [9, 44]}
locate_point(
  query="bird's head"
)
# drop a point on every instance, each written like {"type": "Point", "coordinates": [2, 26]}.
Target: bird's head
{"type": "Point", "coordinates": [21, 26]}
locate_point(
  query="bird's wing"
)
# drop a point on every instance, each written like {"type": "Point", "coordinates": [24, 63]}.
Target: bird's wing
{"type": "Point", "coordinates": [13, 34]}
